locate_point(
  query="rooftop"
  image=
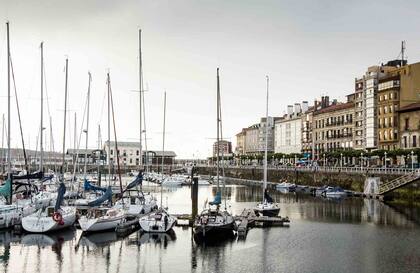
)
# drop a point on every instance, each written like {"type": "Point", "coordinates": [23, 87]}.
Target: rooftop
{"type": "Point", "coordinates": [335, 107]}
{"type": "Point", "coordinates": [411, 107]}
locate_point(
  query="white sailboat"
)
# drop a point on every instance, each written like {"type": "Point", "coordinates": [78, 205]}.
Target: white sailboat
{"type": "Point", "coordinates": [159, 221]}
{"type": "Point", "coordinates": [267, 207]}
{"type": "Point", "coordinates": [103, 218]}
{"type": "Point", "coordinates": [215, 221]}
{"type": "Point", "coordinates": [57, 217]}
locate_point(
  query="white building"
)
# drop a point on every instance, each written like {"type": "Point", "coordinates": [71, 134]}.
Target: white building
{"type": "Point", "coordinates": [288, 130]}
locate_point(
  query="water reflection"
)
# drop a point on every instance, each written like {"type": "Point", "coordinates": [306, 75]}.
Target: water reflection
{"type": "Point", "coordinates": [349, 235]}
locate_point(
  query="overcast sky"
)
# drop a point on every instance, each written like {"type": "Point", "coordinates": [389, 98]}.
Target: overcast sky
{"type": "Point", "coordinates": [309, 49]}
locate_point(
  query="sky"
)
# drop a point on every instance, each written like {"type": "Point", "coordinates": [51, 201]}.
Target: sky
{"type": "Point", "coordinates": [308, 48]}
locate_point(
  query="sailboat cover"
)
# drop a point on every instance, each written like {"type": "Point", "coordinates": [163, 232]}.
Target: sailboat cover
{"type": "Point", "coordinates": [89, 187]}
{"type": "Point", "coordinates": [35, 175]}
{"type": "Point", "coordinates": [6, 189]}
{"type": "Point", "coordinates": [217, 199]}
{"type": "Point", "coordinates": [267, 197]}
{"type": "Point", "coordinates": [135, 182]}
{"type": "Point", "coordinates": [60, 196]}
{"type": "Point", "coordinates": [106, 196]}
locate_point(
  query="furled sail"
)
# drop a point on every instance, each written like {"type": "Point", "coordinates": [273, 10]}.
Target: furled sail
{"type": "Point", "coordinates": [89, 187]}
{"type": "Point", "coordinates": [217, 199]}
{"type": "Point", "coordinates": [106, 196]}
{"type": "Point", "coordinates": [135, 182]}
{"type": "Point", "coordinates": [267, 197]}
{"type": "Point", "coordinates": [35, 175]}
{"type": "Point", "coordinates": [60, 196]}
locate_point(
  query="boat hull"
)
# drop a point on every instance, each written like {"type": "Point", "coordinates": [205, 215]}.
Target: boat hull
{"type": "Point", "coordinates": [148, 224]}
{"type": "Point", "coordinates": [271, 212]}
{"type": "Point", "coordinates": [97, 224]}
{"type": "Point", "coordinates": [35, 224]}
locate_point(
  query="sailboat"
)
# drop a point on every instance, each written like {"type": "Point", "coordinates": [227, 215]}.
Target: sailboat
{"type": "Point", "coordinates": [51, 218]}
{"type": "Point", "coordinates": [267, 207]}
{"type": "Point", "coordinates": [159, 221]}
{"type": "Point", "coordinates": [215, 221]}
{"type": "Point", "coordinates": [57, 217]}
{"type": "Point", "coordinates": [135, 201]}
{"type": "Point", "coordinates": [104, 218]}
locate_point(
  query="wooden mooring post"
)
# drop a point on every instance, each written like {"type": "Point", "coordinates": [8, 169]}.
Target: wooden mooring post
{"type": "Point", "coordinates": [194, 195]}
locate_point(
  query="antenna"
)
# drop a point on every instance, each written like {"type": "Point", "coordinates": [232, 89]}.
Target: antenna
{"type": "Point", "coordinates": [402, 52]}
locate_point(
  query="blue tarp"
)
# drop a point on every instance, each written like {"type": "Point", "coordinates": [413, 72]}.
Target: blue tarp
{"type": "Point", "coordinates": [89, 187]}
{"type": "Point", "coordinates": [217, 199]}
{"type": "Point", "coordinates": [106, 196]}
{"type": "Point", "coordinates": [60, 196]}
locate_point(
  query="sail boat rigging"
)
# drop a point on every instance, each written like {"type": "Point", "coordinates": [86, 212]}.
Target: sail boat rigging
{"type": "Point", "coordinates": [267, 207]}
{"type": "Point", "coordinates": [159, 221]}
{"type": "Point", "coordinates": [215, 222]}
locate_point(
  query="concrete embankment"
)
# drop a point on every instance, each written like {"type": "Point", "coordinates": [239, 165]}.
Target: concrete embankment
{"type": "Point", "coordinates": [348, 181]}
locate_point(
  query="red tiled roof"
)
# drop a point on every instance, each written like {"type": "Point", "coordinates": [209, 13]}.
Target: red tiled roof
{"type": "Point", "coordinates": [411, 107]}
{"type": "Point", "coordinates": [335, 107]}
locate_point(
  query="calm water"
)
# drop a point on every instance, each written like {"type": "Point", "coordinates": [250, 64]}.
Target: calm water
{"type": "Point", "coordinates": [353, 235]}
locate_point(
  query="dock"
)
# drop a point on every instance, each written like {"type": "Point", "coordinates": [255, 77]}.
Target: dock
{"type": "Point", "coordinates": [248, 219]}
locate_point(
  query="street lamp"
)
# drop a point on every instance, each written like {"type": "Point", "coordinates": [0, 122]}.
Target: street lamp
{"type": "Point", "coordinates": [325, 160]}
{"type": "Point", "coordinates": [412, 162]}
{"type": "Point", "coordinates": [361, 161]}
{"type": "Point", "coordinates": [385, 160]}
{"type": "Point", "coordinates": [341, 160]}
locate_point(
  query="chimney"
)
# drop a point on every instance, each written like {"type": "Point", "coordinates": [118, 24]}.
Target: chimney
{"type": "Point", "coordinates": [289, 110]}
{"type": "Point", "coordinates": [297, 108]}
{"type": "Point", "coordinates": [327, 101]}
{"type": "Point", "coordinates": [304, 106]}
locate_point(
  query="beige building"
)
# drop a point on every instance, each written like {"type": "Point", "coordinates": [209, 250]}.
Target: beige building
{"type": "Point", "coordinates": [409, 117]}
{"type": "Point", "coordinates": [240, 143]}
{"type": "Point", "coordinates": [334, 126]}
{"type": "Point", "coordinates": [307, 133]}
{"type": "Point", "coordinates": [388, 100]}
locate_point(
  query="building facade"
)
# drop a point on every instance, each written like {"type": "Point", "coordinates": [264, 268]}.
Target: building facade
{"type": "Point", "coordinates": [308, 149]}
{"type": "Point", "coordinates": [388, 103]}
{"type": "Point", "coordinates": [409, 126]}
{"type": "Point", "coordinates": [129, 154]}
{"type": "Point", "coordinates": [288, 130]}
{"type": "Point", "coordinates": [240, 143]}
{"type": "Point", "coordinates": [333, 126]}
{"type": "Point", "coordinates": [224, 147]}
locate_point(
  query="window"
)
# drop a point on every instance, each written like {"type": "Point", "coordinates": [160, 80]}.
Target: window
{"type": "Point", "coordinates": [137, 152]}
{"type": "Point", "coordinates": [414, 141]}
{"type": "Point", "coordinates": [406, 127]}
{"type": "Point", "coordinates": [405, 141]}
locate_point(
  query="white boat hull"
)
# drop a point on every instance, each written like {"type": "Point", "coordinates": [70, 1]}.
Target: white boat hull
{"type": "Point", "coordinates": [99, 224]}
{"type": "Point", "coordinates": [149, 224]}
{"type": "Point", "coordinates": [37, 223]}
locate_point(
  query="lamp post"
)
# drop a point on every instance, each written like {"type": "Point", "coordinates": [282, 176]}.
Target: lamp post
{"type": "Point", "coordinates": [385, 161]}
{"type": "Point", "coordinates": [282, 162]}
{"type": "Point", "coordinates": [361, 161]}
{"type": "Point", "coordinates": [325, 161]}
{"type": "Point", "coordinates": [341, 160]}
{"type": "Point", "coordinates": [412, 160]}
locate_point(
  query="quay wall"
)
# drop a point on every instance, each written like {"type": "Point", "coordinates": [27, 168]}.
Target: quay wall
{"type": "Point", "coordinates": [348, 181]}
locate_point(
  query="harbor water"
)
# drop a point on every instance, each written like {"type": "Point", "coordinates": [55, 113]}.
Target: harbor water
{"type": "Point", "coordinates": [350, 235]}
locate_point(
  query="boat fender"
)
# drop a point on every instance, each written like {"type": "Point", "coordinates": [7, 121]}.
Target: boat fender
{"type": "Point", "coordinates": [57, 217]}
{"type": "Point", "coordinates": [204, 220]}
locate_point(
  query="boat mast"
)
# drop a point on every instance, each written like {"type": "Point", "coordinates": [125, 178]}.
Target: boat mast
{"type": "Point", "coordinates": [266, 141]}
{"type": "Point", "coordinates": [9, 161]}
{"type": "Point", "coordinates": [109, 132]}
{"type": "Point", "coordinates": [218, 127]}
{"type": "Point", "coordinates": [2, 145]}
{"type": "Point", "coordinates": [140, 102]}
{"type": "Point", "coordinates": [65, 116]}
{"type": "Point", "coordinates": [87, 124]}
{"type": "Point", "coordinates": [41, 143]}
{"type": "Point", "coordinates": [163, 145]}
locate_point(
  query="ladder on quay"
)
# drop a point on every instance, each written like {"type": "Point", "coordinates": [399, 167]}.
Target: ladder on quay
{"type": "Point", "coordinates": [399, 182]}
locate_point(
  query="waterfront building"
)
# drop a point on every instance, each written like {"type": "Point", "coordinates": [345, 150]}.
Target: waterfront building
{"type": "Point", "coordinates": [307, 133]}
{"type": "Point", "coordinates": [388, 103]}
{"type": "Point", "coordinates": [409, 125]}
{"type": "Point", "coordinates": [129, 154]}
{"type": "Point", "coordinates": [240, 143]}
{"type": "Point", "coordinates": [333, 125]}
{"type": "Point", "coordinates": [225, 148]}
{"type": "Point", "coordinates": [251, 140]}
{"type": "Point", "coordinates": [288, 130]}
